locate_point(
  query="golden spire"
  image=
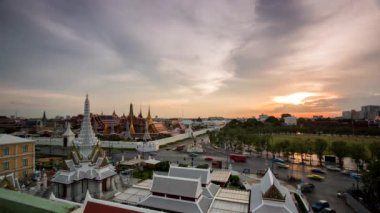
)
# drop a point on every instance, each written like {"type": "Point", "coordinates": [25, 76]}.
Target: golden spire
{"type": "Point", "coordinates": [149, 117]}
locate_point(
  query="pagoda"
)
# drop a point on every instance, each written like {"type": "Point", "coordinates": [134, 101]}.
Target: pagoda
{"type": "Point", "coordinates": [87, 168]}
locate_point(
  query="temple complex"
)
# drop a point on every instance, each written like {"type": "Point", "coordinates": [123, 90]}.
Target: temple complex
{"type": "Point", "coordinates": [87, 169]}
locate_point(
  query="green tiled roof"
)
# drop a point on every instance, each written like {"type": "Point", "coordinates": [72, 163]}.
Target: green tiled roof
{"type": "Point", "coordinates": [13, 201]}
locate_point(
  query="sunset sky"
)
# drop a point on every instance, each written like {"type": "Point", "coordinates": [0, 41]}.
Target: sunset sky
{"type": "Point", "coordinates": [190, 58]}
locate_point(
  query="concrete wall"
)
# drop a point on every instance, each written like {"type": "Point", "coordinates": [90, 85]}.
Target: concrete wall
{"type": "Point", "coordinates": [125, 144]}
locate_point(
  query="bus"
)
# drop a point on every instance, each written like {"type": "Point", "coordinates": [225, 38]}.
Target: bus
{"type": "Point", "coordinates": [238, 158]}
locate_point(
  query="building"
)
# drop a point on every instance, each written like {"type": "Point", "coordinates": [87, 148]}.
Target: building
{"type": "Point", "coordinates": [16, 156]}
{"type": "Point", "coordinates": [370, 112]}
{"type": "Point", "coordinates": [193, 191]}
{"type": "Point", "coordinates": [270, 196]}
{"type": "Point", "coordinates": [290, 121]}
{"type": "Point", "coordinates": [88, 169]}
{"type": "Point", "coordinates": [353, 114]}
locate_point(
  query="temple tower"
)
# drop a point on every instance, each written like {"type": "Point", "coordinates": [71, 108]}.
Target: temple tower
{"type": "Point", "coordinates": [86, 139]}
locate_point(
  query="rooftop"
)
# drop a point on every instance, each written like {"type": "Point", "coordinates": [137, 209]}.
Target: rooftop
{"type": "Point", "coordinates": [220, 176]}
{"type": "Point", "coordinates": [10, 139]}
{"type": "Point", "coordinates": [13, 201]}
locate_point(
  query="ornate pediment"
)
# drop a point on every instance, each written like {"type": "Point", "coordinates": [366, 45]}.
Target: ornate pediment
{"type": "Point", "coordinates": [273, 193]}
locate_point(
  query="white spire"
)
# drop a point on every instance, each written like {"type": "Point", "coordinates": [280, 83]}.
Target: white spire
{"type": "Point", "coordinates": [68, 131]}
{"type": "Point", "coordinates": [146, 134]}
{"type": "Point", "coordinates": [86, 139]}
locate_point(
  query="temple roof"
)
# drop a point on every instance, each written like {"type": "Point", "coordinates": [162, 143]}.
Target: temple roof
{"type": "Point", "coordinates": [186, 187]}
{"type": "Point", "coordinates": [194, 173]}
{"type": "Point", "coordinates": [270, 196]}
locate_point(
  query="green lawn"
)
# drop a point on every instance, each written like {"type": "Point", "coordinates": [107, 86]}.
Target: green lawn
{"type": "Point", "coordinates": [348, 139]}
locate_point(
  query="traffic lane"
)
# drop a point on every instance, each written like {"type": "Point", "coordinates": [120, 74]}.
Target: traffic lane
{"type": "Point", "coordinates": [327, 190]}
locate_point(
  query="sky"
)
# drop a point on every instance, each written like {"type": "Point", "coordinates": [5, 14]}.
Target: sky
{"type": "Point", "coordinates": [189, 58]}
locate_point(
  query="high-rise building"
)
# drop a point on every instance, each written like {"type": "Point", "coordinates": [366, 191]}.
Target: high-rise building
{"type": "Point", "coordinates": [370, 112]}
{"type": "Point", "coordinates": [352, 114]}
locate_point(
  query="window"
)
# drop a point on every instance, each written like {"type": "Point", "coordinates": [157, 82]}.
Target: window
{"type": "Point", "coordinates": [5, 151]}
{"type": "Point", "coordinates": [25, 148]}
{"type": "Point", "coordinates": [25, 162]}
{"type": "Point", "coordinates": [5, 165]}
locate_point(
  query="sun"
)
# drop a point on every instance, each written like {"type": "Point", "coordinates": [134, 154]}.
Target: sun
{"type": "Point", "coordinates": [294, 98]}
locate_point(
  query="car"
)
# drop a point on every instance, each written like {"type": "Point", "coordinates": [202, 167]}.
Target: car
{"type": "Point", "coordinates": [355, 176]}
{"type": "Point", "coordinates": [333, 168]}
{"type": "Point", "coordinates": [282, 165]}
{"type": "Point", "coordinates": [193, 155]}
{"type": "Point", "coordinates": [246, 171]}
{"type": "Point", "coordinates": [320, 205]}
{"type": "Point", "coordinates": [319, 171]}
{"type": "Point", "coordinates": [327, 210]}
{"type": "Point", "coordinates": [209, 158]}
{"type": "Point", "coordinates": [315, 177]}
{"type": "Point", "coordinates": [278, 160]}
{"type": "Point", "coordinates": [306, 187]}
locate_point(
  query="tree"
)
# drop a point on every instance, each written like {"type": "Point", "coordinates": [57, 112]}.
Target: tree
{"type": "Point", "coordinates": [309, 149]}
{"type": "Point", "coordinates": [358, 153]}
{"type": "Point", "coordinates": [285, 115]}
{"type": "Point", "coordinates": [371, 185]}
{"type": "Point", "coordinates": [374, 148]}
{"type": "Point", "coordinates": [301, 148]}
{"type": "Point", "coordinates": [340, 150]}
{"type": "Point", "coordinates": [319, 147]}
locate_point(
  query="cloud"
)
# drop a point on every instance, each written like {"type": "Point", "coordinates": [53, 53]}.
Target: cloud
{"type": "Point", "coordinates": [198, 53]}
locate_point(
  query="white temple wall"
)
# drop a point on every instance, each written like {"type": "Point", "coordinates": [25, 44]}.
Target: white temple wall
{"type": "Point", "coordinates": [125, 144]}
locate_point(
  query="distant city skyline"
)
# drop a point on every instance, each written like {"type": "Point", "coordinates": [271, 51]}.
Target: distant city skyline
{"type": "Point", "coordinates": [189, 58]}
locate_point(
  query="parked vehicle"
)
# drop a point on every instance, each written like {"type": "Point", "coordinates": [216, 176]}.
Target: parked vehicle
{"type": "Point", "coordinates": [282, 165]}
{"type": "Point", "coordinates": [208, 158]}
{"type": "Point", "coordinates": [238, 158]}
{"type": "Point", "coordinates": [306, 187]}
{"type": "Point", "coordinates": [278, 160]}
{"type": "Point", "coordinates": [315, 177]}
{"type": "Point", "coordinates": [319, 171]}
{"type": "Point", "coordinates": [333, 168]}
{"type": "Point", "coordinates": [356, 176]}
{"type": "Point", "coordinates": [320, 205]}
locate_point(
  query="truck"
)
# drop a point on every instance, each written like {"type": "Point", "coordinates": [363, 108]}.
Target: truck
{"type": "Point", "coordinates": [238, 158]}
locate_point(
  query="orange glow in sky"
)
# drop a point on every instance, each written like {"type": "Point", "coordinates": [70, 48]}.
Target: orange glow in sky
{"type": "Point", "coordinates": [295, 98]}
